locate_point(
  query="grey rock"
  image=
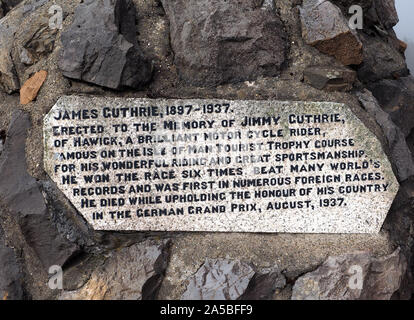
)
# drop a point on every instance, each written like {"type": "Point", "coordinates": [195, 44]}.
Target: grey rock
{"type": "Point", "coordinates": [11, 276]}
{"type": "Point", "coordinates": [219, 279]}
{"type": "Point", "coordinates": [131, 273]}
{"type": "Point", "coordinates": [325, 28]}
{"type": "Point", "coordinates": [217, 42]}
{"type": "Point", "coordinates": [387, 13]}
{"type": "Point", "coordinates": [100, 46]}
{"type": "Point", "coordinates": [25, 200]}
{"type": "Point", "coordinates": [9, 81]}
{"type": "Point", "coordinates": [396, 97]}
{"type": "Point", "coordinates": [381, 60]}
{"type": "Point", "coordinates": [24, 28]}
{"type": "Point", "coordinates": [264, 284]}
{"type": "Point", "coordinates": [330, 78]}
{"type": "Point", "coordinates": [353, 276]}
{"type": "Point", "coordinates": [400, 153]}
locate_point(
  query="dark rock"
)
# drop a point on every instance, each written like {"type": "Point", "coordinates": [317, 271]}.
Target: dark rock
{"type": "Point", "coordinates": [25, 200]}
{"type": "Point", "coordinates": [9, 81]}
{"type": "Point", "coordinates": [100, 46]}
{"type": "Point", "coordinates": [131, 273]}
{"type": "Point", "coordinates": [400, 154]}
{"type": "Point", "coordinates": [20, 46]}
{"type": "Point", "coordinates": [219, 279]}
{"type": "Point", "coordinates": [325, 28]}
{"type": "Point", "coordinates": [330, 78]}
{"type": "Point", "coordinates": [386, 12]}
{"type": "Point", "coordinates": [217, 42]}
{"type": "Point", "coordinates": [11, 276]}
{"type": "Point", "coordinates": [231, 280]}
{"type": "Point", "coordinates": [396, 97]}
{"type": "Point", "coordinates": [7, 5]}
{"type": "Point", "coordinates": [264, 285]}
{"type": "Point", "coordinates": [381, 60]}
{"type": "Point", "coordinates": [380, 278]}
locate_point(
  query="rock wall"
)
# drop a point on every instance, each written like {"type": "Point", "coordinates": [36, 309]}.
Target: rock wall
{"type": "Point", "coordinates": [235, 49]}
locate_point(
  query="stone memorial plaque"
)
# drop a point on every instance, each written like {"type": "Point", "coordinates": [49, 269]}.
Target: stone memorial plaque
{"type": "Point", "coordinates": [216, 165]}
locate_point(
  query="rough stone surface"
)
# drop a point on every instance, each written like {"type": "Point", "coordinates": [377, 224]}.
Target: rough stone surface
{"type": "Point", "coordinates": [324, 27]}
{"type": "Point", "coordinates": [100, 46]}
{"type": "Point", "coordinates": [131, 273]}
{"type": "Point", "coordinates": [396, 97]}
{"type": "Point", "coordinates": [11, 279]}
{"type": "Point", "coordinates": [31, 87]}
{"type": "Point", "coordinates": [264, 285]}
{"type": "Point", "coordinates": [25, 200]}
{"type": "Point", "coordinates": [386, 12]}
{"type": "Point", "coordinates": [219, 279]}
{"type": "Point", "coordinates": [9, 81]}
{"type": "Point", "coordinates": [218, 41]}
{"type": "Point", "coordinates": [400, 153]}
{"type": "Point", "coordinates": [381, 60]}
{"type": "Point", "coordinates": [335, 278]}
{"type": "Point", "coordinates": [330, 79]}
{"type": "Point", "coordinates": [295, 254]}
{"type": "Point", "coordinates": [25, 39]}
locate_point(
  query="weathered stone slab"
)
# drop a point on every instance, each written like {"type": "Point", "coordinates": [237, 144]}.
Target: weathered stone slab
{"type": "Point", "coordinates": [216, 165]}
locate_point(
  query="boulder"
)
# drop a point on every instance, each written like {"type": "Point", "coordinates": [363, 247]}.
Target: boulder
{"type": "Point", "coordinates": [25, 202]}
{"type": "Point", "coordinates": [400, 154]}
{"type": "Point", "coordinates": [381, 59]}
{"type": "Point", "coordinates": [216, 42]}
{"type": "Point", "coordinates": [25, 39]}
{"type": "Point", "coordinates": [11, 276]}
{"type": "Point", "coordinates": [219, 279]}
{"type": "Point", "coordinates": [353, 276]}
{"type": "Point", "coordinates": [131, 273]}
{"type": "Point", "coordinates": [330, 78]}
{"type": "Point", "coordinates": [387, 13]}
{"type": "Point", "coordinates": [325, 28]}
{"type": "Point", "coordinates": [224, 279]}
{"type": "Point", "coordinates": [100, 46]}
{"type": "Point", "coordinates": [396, 97]}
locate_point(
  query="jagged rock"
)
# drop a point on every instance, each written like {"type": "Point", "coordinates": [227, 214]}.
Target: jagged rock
{"type": "Point", "coordinates": [219, 279]}
{"type": "Point", "coordinates": [131, 273]}
{"type": "Point", "coordinates": [9, 81]}
{"type": "Point", "coordinates": [25, 202]}
{"type": "Point", "coordinates": [400, 153]}
{"type": "Point", "coordinates": [330, 78]}
{"type": "Point", "coordinates": [386, 12]}
{"type": "Point", "coordinates": [231, 280]}
{"type": "Point", "coordinates": [217, 42]}
{"type": "Point", "coordinates": [31, 87]}
{"type": "Point", "coordinates": [11, 277]}
{"type": "Point", "coordinates": [381, 60]}
{"type": "Point", "coordinates": [396, 97]}
{"type": "Point", "coordinates": [325, 28]}
{"type": "Point", "coordinates": [100, 46]}
{"type": "Point", "coordinates": [353, 276]}
{"type": "Point", "coordinates": [25, 37]}
{"type": "Point", "coordinates": [264, 284]}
